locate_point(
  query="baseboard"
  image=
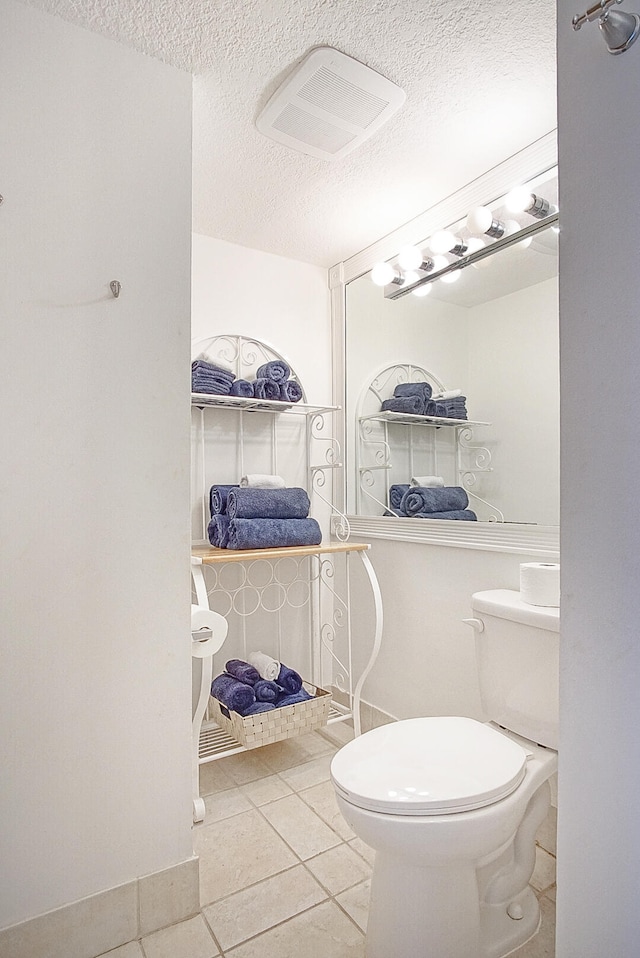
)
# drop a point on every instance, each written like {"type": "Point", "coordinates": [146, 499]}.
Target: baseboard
{"type": "Point", "coordinates": [95, 925]}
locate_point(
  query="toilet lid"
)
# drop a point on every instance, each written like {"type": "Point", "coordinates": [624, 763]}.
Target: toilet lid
{"type": "Point", "coordinates": [428, 766]}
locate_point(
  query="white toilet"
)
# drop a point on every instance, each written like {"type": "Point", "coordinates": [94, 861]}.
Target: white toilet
{"type": "Point", "coordinates": [452, 805]}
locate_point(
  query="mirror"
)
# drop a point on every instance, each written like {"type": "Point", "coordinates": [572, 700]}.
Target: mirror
{"type": "Point", "coordinates": [493, 335]}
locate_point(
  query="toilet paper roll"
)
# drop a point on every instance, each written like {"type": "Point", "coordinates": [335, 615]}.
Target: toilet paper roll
{"type": "Point", "coordinates": [202, 618]}
{"type": "Point", "coordinates": [540, 583]}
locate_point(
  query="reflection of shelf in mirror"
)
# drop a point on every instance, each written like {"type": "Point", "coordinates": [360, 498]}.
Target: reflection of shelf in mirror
{"type": "Point", "coordinates": [257, 405]}
{"type": "Point", "coordinates": [408, 419]}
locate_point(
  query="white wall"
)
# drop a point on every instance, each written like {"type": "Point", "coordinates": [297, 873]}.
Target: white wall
{"type": "Point", "coordinates": [94, 709]}
{"type": "Point", "coordinates": [599, 776]}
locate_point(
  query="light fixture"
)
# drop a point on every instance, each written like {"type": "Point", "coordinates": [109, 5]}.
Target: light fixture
{"type": "Point", "coordinates": [421, 291]}
{"type": "Point", "coordinates": [412, 258]}
{"type": "Point", "coordinates": [481, 220]}
{"type": "Point", "coordinates": [383, 273]}
{"type": "Point", "coordinates": [619, 30]}
{"type": "Point", "coordinates": [440, 262]}
{"type": "Point", "coordinates": [511, 227]}
{"type": "Point", "coordinates": [444, 241]}
{"type": "Point", "coordinates": [522, 200]}
{"type": "Point", "coordinates": [451, 277]}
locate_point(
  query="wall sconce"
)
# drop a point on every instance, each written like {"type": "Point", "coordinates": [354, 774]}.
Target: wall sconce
{"type": "Point", "coordinates": [619, 30]}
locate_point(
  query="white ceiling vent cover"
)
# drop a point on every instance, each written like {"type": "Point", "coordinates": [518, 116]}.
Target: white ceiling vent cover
{"type": "Point", "coordinates": [329, 105]}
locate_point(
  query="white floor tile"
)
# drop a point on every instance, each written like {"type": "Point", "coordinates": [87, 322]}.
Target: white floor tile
{"type": "Point", "coordinates": [223, 805]}
{"type": "Point", "coordinates": [301, 828]}
{"type": "Point", "coordinates": [367, 853]}
{"type": "Point", "coordinates": [322, 799]}
{"type": "Point", "coordinates": [544, 873]}
{"type": "Point", "coordinates": [321, 932]}
{"type": "Point", "coordinates": [338, 869]}
{"type": "Point", "coordinates": [133, 949]}
{"type": "Point", "coordinates": [245, 766]}
{"type": "Point", "coordinates": [265, 790]}
{"type": "Point", "coordinates": [256, 909]}
{"type": "Point", "coordinates": [355, 902]}
{"type": "Point", "coordinates": [309, 774]}
{"type": "Point", "coordinates": [188, 939]}
{"type": "Point", "coordinates": [213, 778]}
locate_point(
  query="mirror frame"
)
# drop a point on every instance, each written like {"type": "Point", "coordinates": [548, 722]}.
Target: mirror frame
{"type": "Point", "coordinates": [540, 541]}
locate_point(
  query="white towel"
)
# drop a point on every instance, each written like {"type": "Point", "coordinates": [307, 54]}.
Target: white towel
{"type": "Point", "coordinates": [258, 481]}
{"type": "Point", "coordinates": [447, 394]}
{"type": "Point", "coordinates": [267, 667]}
{"type": "Point", "coordinates": [427, 481]}
{"type": "Point", "coordinates": [216, 362]}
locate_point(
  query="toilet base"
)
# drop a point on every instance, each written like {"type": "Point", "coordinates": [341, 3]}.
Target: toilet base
{"type": "Point", "coordinates": [500, 934]}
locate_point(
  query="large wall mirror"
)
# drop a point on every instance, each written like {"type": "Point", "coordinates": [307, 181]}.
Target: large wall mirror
{"type": "Point", "coordinates": [490, 336]}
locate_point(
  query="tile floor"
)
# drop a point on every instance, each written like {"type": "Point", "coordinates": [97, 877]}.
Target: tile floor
{"type": "Point", "coordinates": [282, 874]}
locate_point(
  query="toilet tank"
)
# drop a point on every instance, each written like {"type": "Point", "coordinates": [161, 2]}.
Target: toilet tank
{"type": "Point", "coordinates": [517, 651]}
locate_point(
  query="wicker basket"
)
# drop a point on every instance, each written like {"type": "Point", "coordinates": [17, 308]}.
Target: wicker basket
{"type": "Point", "coordinates": [264, 728]}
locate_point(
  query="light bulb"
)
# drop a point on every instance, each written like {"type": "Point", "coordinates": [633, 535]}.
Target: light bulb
{"type": "Point", "coordinates": [410, 257]}
{"type": "Point", "coordinates": [383, 273]}
{"type": "Point", "coordinates": [474, 243]}
{"type": "Point", "coordinates": [511, 227]}
{"type": "Point", "coordinates": [519, 200]}
{"type": "Point", "coordinates": [452, 277]}
{"type": "Point", "coordinates": [439, 262]}
{"type": "Point", "coordinates": [422, 291]}
{"type": "Point", "coordinates": [480, 220]}
{"type": "Point", "coordinates": [410, 277]}
{"type": "Point", "coordinates": [443, 241]}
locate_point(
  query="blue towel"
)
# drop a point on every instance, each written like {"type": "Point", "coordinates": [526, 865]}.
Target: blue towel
{"type": "Point", "coordinates": [235, 695]}
{"type": "Point", "coordinates": [218, 498]}
{"type": "Point", "coordinates": [277, 370]}
{"type": "Point", "coordinates": [422, 389]}
{"type": "Point", "coordinates": [289, 680]}
{"type": "Point", "coordinates": [266, 691]}
{"type": "Point", "coordinates": [258, 707]}
{"type": "Point", "coordinates": [464, 514]}
{"type": "Point", "coordinates": [290, 391]}
{"type": "Point", "coordinates": [396, 515]}
{"type": "Point", "coordinates": [212, 385]}
{"type": "Point", "coordinates": [433, 499]}
{"type": "Point", "coordinates": [218, 531]}
{"type": "Point", "coordinates": [243, 672]}
{"type": "Point", "coordinates": [243, 388]}
{"type": "Point", "coordinates": [397, 493]}
{"type": "Point", "coordinates": [294, 698]}
{"type": "Point", "coordinates": [413, 405]}
{"type": "Point", "coordinates": [205, 369]}
{"type": "Point", "coordinates": [273, 533]}
{"type": "Point", "coordinates": [266, 389]}
{"type": "Point", "coordinates": [254, 502]}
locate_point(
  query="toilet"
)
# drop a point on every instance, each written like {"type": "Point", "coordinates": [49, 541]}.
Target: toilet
{"type": "Point", "coordinates": [451, 805]}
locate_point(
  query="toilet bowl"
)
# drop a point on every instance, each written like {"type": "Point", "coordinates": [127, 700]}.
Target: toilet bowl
{"type": "Point", "coordinates": [451, 806]}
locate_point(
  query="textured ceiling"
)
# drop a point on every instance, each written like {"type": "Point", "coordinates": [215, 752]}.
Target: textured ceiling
{"type": "Point", "coordinates": [479, 78]}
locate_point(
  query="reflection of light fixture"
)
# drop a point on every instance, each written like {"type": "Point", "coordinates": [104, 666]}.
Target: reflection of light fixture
{"type": "Point", "coordinates": [444, 241]}
{"type": "Point", "coordinates": [511, 227]}
{"type": "Point", "coordinates": [481, 220]}
{"type": "Point", "coordinates": [451, 277]}
{"type": "Point", "coordinates": [411, 257]}
{"type": "Point", "coordinates": [620, 30]}
{"type": "Point", "coordinates": [383, 273]}
{"type": "Point", "coordinates": [522, 200]}
{"type": "Point", "coordinates": [421, 291]}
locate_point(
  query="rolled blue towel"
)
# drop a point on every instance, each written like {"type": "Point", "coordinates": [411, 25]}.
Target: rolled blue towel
{"type": "Point", "coordinates": [433, 499]}
{"type": "Point", "coordinates": [413, 405]}
{"type": "Point", "coordinates": [396, 515]}
{"type": "Point", "coordinates": [258, 707]}
{"type": "Point", "coordinates": [232, 693]}
{"type": "Point", "coordinates": [243, 388]}
{"type": "Point", "coordinates": [205, 369]}
{"type": "Point", "coordinates": [273, 533]}
{"type": "Point", "coordinates": [290, 391]}
{"type": "Point", "coordinates": [266, 389]}
{"type": "Point", "coordinates": [218, 531]}
{"type": "Point", "coordinates": [266, 691]}
{"type": "Point", "coordinates": [211, 385]}
{"type": "Point", "coordinates": [243, 672]}
{"type": "Point", "coordinates": [464, 514]}
{"type": "Point", "coordinates": [218, 498]}
{"type": "Point", "coordinates": [294, 698]}
{"type": "Point", "coordinates": [422, 389]}
{"type": "Point", "coordinates": [289, 680]}
{"type": "Point", "coordinates": [253, 502]}
{"type": "Point", "coordinates": [276, 369]}
{"type": "Point", "coordinates": [396, 494]}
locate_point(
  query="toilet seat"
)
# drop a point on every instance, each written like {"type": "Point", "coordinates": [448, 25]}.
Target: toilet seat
{"type": "Point", "coordinates": [428, 766]}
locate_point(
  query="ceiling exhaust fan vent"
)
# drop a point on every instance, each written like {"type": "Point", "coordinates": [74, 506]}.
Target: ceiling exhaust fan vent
{"type": "Point", "coordinates": [329, 105]}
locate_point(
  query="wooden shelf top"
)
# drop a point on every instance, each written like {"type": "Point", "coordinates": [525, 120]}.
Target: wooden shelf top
{"type": "Point", "coordinates": [210, 555]}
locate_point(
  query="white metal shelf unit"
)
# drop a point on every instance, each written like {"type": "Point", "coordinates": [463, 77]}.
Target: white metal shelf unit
{"type": "Point", "coordinates": [392, 447]}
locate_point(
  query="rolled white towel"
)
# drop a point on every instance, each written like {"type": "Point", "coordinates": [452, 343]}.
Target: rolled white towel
{"type": "Point", "coordinates": [447, 394]}
{"type": "Point", "coordinates": [268, 667]}
{"type": "Point", "coordinates": [257, 480]}
{"type": "Point", "coordinates": [427, 481]}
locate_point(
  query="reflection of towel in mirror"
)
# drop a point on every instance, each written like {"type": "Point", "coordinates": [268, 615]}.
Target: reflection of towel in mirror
{"type": "Point", "coordinates": [251, 502]}
{"type": "Point", "coordinates": [218, 498]}
{"type": "Point", "coordinates": [234, 694]}
{"type": "Point", "coordinates": [421, 389]}
{"type": "Point", "coordinates": [463, 514]}
{"type": "Point", "coordinates": [396, 494]}
{"type": "Point", "coordinates": [289, 679]}
{"type": "Point", "coordinates": [413, 405]}
{"type": "Point", "coordinates": [427, 481]}
{"type": "Point", "coordinates": [290, 391]}
{"type": "Point", "coordinates": [242, 671]}
{"type": "Point", "coordinates": [273, 533]}
{"type": "Point", "coordinates": [218, 531]}
{"type": "Point", "coordinates": [260, 480]}
{"type": "Point", "coordinates": [266, 666]}
{"type": "Point", "coordinates": [276, 369]}
{"type": "Point", "coordinates": [429, 499]}
{"type": "Point", "coordinates": [243, 388]}
{"type": "Point", "coordinates": [266, 389]}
